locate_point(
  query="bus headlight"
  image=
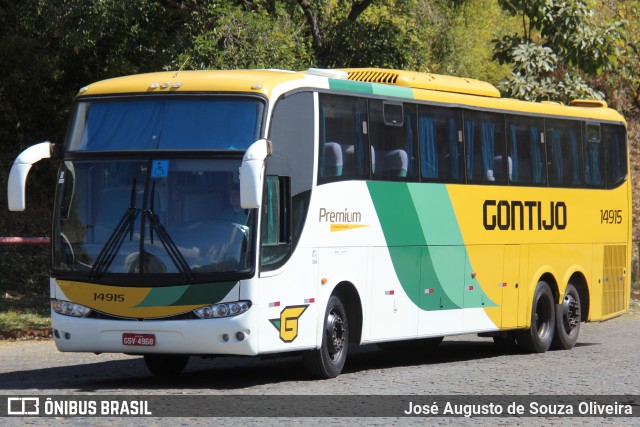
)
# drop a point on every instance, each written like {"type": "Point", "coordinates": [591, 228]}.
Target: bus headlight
{"type": "Point", "coordinates": [69, 308]}
{"type": "Point", "coordinates": [226, 309]}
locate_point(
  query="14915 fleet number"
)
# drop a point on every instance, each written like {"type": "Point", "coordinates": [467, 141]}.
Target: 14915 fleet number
{"type": "Point", "coordinates": [610, 216]}
{"type": "Point", "coordinates": [100, 296]}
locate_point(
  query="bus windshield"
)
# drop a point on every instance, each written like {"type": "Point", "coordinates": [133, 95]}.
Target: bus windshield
{"type": "Point", "coordinates": [166, 123]}
{"type": "Point", "coordinates": [177, 217]}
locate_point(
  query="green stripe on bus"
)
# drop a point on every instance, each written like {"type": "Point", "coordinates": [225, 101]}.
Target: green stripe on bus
{"type": "Point", "coordinates": [206, 293]}
{"type": "Point", "coordinates": [203, 293]}
{"type": "Point", "coordinates": [371, 88]}
{"type": "Point", "coordinates": [430, 275]}
{"type": "Point", "coordinates": [350, 86]}
{"type": "Point", "coordinates": [388, 90]}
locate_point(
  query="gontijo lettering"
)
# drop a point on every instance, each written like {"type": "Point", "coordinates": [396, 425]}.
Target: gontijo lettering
{"type": "Point", "coordinates": [527, 215]}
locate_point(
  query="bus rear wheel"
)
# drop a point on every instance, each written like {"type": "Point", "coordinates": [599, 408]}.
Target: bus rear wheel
{"type": "Point", "coordinates": [568, 317]}
{"type": "Point", "coordinates": [166, 364]}
{"type": "Point", "coordinates": [538, 338]}
{"type": "Point", "coordinates": [328, 361]}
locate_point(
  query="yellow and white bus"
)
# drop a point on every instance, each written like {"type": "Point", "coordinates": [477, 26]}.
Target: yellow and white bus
{"type": "Point", "coordinates": [258, 212]}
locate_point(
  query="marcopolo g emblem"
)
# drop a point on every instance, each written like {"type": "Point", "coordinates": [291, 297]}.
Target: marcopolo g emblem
{"type": "Point", "coordinates": [287, 324]}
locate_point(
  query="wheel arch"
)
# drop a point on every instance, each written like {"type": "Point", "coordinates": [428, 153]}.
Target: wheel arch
{"type": "Point", "coordinates": [350, 298]}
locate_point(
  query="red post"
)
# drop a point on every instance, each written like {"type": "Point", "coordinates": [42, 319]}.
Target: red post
{"type": "Point", "coordinates": [25, 240]}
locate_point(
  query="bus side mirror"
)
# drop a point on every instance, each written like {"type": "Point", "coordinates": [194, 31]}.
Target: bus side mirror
{"type": "Point", "coordinates": [16, 185]}
{"type": "Point", "coordinates": [252, 174]}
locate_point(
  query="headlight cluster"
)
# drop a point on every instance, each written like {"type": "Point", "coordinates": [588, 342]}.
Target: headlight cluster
{"type": "Point", "coordinates": [69, 309]}
{"type": "Point", "coordinates": [227, 309]}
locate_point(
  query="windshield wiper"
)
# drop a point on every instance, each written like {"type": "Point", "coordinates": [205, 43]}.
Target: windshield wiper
{"type": "Point", "coordinates": [116, 238]}
{"type": "Point", "coordinates": [169, 245]}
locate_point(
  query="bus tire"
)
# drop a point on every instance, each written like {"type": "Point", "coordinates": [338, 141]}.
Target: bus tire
{"type": "Point", "coordinates": [166, 364]}
{"type": "Point", "coordinates": [538, 338]}
{"type": "Point", "coordinates": [568, 316]}
{"type": "Point", "coordinates": [328, 360]}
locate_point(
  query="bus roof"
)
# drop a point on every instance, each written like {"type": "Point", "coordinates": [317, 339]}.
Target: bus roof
{"type": "Point", "coordinates": [252, 81]}
{"type": "Point", "coordinates": [444, 90]}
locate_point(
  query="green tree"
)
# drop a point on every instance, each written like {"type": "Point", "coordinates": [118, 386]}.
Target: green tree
{"type": "Point", "coordinates": [463, 43]}
{"type": "Point", "coordinates": [556, 49]}
{"type": "Point", "coordinates": [244, 34]}
{"type": "Point", "coordinates": [622, 85]}
{"type": "Point", "coordinates": [363, 33]}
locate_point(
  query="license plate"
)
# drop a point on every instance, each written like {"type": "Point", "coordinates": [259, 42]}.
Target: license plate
{"type": "Point", "coordinates": [147, 340]}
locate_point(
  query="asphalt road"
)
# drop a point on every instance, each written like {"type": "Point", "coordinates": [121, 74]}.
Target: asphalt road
{"type": "Point", "coordinates": [604, 362]}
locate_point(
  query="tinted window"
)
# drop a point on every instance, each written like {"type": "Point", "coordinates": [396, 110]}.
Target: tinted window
{"type": "Point", "coordinates": [563, 153]}
{"type": "Point", "coordinates": [290, 175]}
{"type": "Point", "coordinates": [616, 148]}
{"type": "Point", "coordinates": [291, 134]}
{"type": "Point", "coordinates": [158, 123]}
{"type": "Point", "coordinates": [526, 161]}
{"type": "Point", "coordinates": [593, 151]}
{"type": "Point", "coordinates": [391, 132]}
{"type": "Point", "coordinates": [484, 147]}
{"type": "Point", "coordinates": [440, 141]}
{"type": "Point", "coordinates": [344, 149]}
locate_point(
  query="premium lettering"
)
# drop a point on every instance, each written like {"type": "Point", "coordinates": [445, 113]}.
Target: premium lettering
{"type": "Point", "coordinates": [339, 216]}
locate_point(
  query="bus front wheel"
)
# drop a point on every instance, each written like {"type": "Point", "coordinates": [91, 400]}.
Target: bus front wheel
{"type": "Point", "coordinates": [166, 364]}
{"type": "Point", "coordinates": [538, 338]}
{"type": "Point", "coordinates": [328, 360]}
{"type": "Point", "coordinates": [568, 317]}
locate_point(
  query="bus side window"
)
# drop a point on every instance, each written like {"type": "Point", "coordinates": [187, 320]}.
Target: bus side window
{"type": "Point", "coordinates": [392, 139]}
{"type": "Point", "coordinates": [276, 220]}
{"type": "Point", "coordinates": [616, 148]}
{"type": "Point", "coordinates": [289, 177]}
{"type": "Point", "coordinates": [440, 142]}
{"type": "Point", "coordinates": [593, 156]}
{"type": "Point", "coordinates": [343, 150]}
{"type": "Point", "coordinates": [525, 145]}
{"type": "Point", "coordinates": [485, 153]}
{"type": "Point", "coordinates": [563, 153]}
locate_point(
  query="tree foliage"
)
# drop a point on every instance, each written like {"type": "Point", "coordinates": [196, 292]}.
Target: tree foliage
{"type": "Point", "coordinates": [464, 31]}
{"type": "Point", "coordinates": [557, 48]}
{"type": "Point", "coordinates": [232, 34]}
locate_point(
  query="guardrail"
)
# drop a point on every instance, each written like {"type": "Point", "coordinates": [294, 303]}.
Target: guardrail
{"type": "Point", "coordinates": [25, 240]}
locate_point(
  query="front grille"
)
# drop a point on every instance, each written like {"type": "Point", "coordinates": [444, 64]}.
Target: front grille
{"type": "Point", "coordinates": [104, 316]}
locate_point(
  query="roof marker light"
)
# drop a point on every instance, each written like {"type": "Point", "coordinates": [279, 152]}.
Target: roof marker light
{"type": "Point", "coordinates": [154, 85]}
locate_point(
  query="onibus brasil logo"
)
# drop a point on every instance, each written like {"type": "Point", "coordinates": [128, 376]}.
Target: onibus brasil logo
{"type": "Point", "coordinates": [287, 324]}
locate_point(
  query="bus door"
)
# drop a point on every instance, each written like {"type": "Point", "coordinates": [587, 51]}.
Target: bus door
{"type": "Point", "coordinates": [440, 290]}
{"type": "Point", "coordinates": [511, 287]}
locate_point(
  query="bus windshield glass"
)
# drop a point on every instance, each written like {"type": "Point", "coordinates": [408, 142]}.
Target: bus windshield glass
{"type": "Point", "coordinates": [166, 123]}
{"type": "Point", "coordinates": [178, 217]}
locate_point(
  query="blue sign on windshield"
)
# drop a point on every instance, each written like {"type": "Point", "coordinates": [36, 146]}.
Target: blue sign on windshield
{"type": "Point", "coordinates": [160, 169]}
